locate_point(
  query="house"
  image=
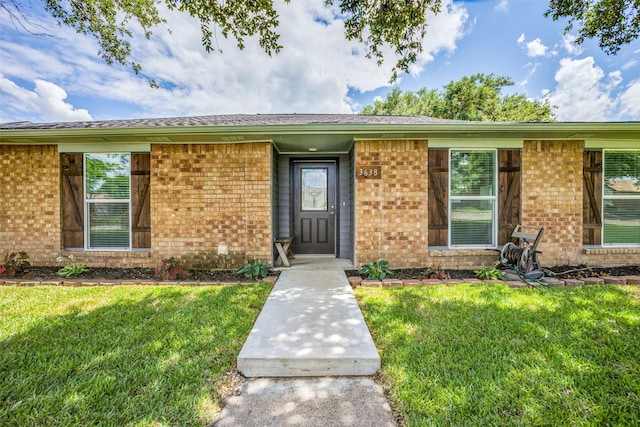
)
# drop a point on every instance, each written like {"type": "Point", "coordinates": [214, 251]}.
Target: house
{"type": "Point", "coordinates": [217, 190]}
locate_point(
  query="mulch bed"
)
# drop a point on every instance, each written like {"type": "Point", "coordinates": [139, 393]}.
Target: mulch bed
{"type": "Point", "coordinates": [230, 276]}
{"type": "Point", "coordinates": [562, 272]}
{"type": "Point", "coordinates": [145, 274]}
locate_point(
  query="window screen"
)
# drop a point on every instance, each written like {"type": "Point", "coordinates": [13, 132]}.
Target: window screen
{"type": "Point", "coordinates": [621, 198]}
{"type": "Point", "coordinates": [472, 212]}
{"type": "Point", "coordinates": [107, 201]}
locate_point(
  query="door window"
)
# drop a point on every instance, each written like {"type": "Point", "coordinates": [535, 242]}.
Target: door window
{"type": "Point", "coordinates": [313, 189]}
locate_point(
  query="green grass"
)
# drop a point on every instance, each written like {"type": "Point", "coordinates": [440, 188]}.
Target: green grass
{"type": "Point", "coordinates": [135, 356]}
{"type": "Point", "coordinates": [491, 355]}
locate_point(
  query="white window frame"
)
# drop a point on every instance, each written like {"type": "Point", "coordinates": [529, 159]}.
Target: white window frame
{"type": "Point", "coordinates": [88, 202]}
{"type": "Point", "coordinates": [606, 197]}
{"type": "Point", "coordinates": [494, 199]}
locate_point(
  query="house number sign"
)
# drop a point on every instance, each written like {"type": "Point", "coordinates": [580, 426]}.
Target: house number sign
{"type": "Point", "coordinates": [368, 172]}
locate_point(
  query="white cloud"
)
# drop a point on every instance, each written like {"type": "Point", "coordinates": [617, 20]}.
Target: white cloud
{"type": "Point", "coordinates": [46, 100]}
{"type": "Point", "coordinates": [629, 104]}
{"type": "Point", "coordinates": [569, 43]}
{"type": "Point", "coordinates": [313, 73]}
{"type": "Point", "coordinates": [502, 6]}
{"type": "Point", "coordinates": [629, 64]}
{"type": "Point", "coordinates": [536, 48]}
{"type": "Point", "coordinates": [582, 94]}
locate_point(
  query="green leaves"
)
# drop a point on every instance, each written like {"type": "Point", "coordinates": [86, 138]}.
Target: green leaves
{"type": "Point", "coordinates": [489, 273]}
{"type": "Point", "coordinates": [612, 22]}
{"type": "Point", "coordinates": [376, 270]}
{"type": "Point", "coordinates": [399, 24]}
{"type": "Point", "coordinates": [254, 270]}
{"type": "Point", "coordinates": [473, 98]}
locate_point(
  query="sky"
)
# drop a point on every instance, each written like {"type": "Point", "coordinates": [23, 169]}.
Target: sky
{"type": "Point", "coordinates": [60, 77]}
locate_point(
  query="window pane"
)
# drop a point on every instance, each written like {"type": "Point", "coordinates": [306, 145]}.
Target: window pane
{"type": "Point", "coordinates": [472, 173]}
{"type": "Point", "coordinates": [472, 222]}
{"type": "Point", "coordinates": [107, 176]}
{"type": "Point", "coordinates": [622, 172]}
{"type": "Point", "coordinates": [621, 221]}
{"type": "Point", "coordinates": [314, 189]}
{"type": "Point", "coordinates": [108, 225]}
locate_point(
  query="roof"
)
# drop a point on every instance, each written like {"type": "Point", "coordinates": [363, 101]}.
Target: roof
{"type": "Point", "coordinates": [233, 120]}
{"type": "Point", "coordinates": [298, 133]}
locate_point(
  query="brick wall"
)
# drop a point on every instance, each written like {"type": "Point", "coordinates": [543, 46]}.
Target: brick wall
{"type": "Point", "coordinates": [391, 215]}
{"type": "Point", "coordinates": [610, 256]}
{"type": "Point", "coordinates": [30, 205]}
{"type": "Point", "coordinates": [211, 204]}
{"type": "Point", "coordinates": [552, 197]}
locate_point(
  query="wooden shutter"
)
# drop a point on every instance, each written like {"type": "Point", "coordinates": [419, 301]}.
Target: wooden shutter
{"type": "Point", "coordinates": [509, 165]}
{"type": "Point", "coordinates": [72, 201]}
{"type": "Point", "coordinates": [438, 197]}
{"type": "Point", "coordinates": [592, 198]}
{"type": "Point", "coordinates": [140, 200]}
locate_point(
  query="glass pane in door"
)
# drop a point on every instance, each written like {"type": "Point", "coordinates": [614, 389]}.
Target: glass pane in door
{"type": "Point", "coordinates": [313, 189]}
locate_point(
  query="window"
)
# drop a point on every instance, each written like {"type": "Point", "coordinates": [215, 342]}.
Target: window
{"type": "Point", "coordinates": [107, 201]}
{"type": "Point", "coordinates": [472, 204]}
{"type": "Point", "coordinates": [621, 198]}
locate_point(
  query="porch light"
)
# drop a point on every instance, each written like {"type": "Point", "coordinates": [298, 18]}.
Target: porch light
{"type": "Point", "coordinates": [313, 149]}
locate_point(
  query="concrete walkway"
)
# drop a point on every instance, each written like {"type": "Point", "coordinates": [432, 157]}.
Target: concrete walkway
{"type": "Point", "coordinates": [307, 402]}
{"type": "Point", "coordinates": [311, 325]}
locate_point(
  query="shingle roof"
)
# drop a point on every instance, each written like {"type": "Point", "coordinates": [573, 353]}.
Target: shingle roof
{"type": "Point", "coordinates": [233, 120]}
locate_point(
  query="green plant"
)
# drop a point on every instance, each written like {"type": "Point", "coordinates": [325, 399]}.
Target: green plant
{"type": "Point", "coordinates": [489, 273]}
{"type": "Point", "coordinates": [433, 272]}
{"type": "Point", "coordinates": [171, 269]}
{"type": "Point", "coordinates": [254, 270]}
{"type": "Point", "coordinates": [376, 270]}
{"type": "Point", "coordinates": [71, 268]}
{"type": "Point", "coordinates": [13, 263]}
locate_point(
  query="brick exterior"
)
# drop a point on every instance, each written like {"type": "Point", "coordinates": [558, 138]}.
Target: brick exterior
{"type": "Point", "coordinates": [210, 199]}
{"type": "Point", "coordinates": [211, 206]}
{"type": "Point", "coordinates": [30, 206]}
{"type": "Point", "coordinates": [610, 256]}
{"type": "Point", "coordinates": [552, 197]}
{"type": "Point", "coordinates": [391, 219]}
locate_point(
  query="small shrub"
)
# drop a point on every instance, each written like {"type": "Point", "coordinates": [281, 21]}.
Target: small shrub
{"type": "Point", "coordinates": [71, 268]}
{"type": "Point", "coordinates": [171, 269]}
{"type": "Point", "coordinates": [13, 263]}
{"type": "Point", "coordinates": [376, 270]}
{"type": "Point", "coordinates": [254, 270]}
{"type": "Point", "coordinates": [489, 273]}
{"type": "Point", "coordinates": [434, 272]}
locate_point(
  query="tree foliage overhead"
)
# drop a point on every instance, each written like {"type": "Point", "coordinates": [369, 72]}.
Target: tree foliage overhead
{"type": "Point", "coordinates": [612, 22]}
{"type": "Point", "coordinates": [375, 23]}
{"type": "Point", "coordinates": [475, 98]}
{"type": "Point", "coordinates": [399, 24]}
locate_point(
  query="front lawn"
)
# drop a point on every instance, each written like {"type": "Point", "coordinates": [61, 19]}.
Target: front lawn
{"type": "Point", "coordinates": [492, 355]}
{"type": "Point", "coordinates": [121, 355]}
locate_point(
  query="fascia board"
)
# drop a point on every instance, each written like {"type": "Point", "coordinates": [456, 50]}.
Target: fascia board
{"type": "Point", "coordinates": [521, 130]}
{"type": "Point", "coordinates": [591, 144]}
{"type": "Point", "coordinates": [475, 142]}
{"type": "Point", "coordinates": [105, 147]}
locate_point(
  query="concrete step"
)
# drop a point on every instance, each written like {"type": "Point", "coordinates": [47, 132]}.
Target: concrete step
{"type": "Point", "coordinates": [311, 325]}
